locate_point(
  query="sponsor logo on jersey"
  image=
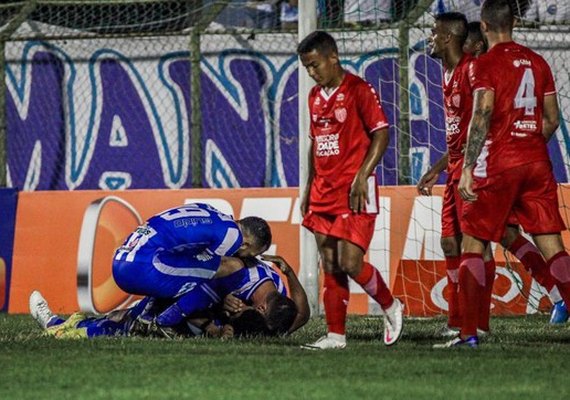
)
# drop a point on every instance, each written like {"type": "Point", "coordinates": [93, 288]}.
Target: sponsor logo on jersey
{"type": "Point", "coordinates": [186, 222]}
{"type": "Point", "coordinates": [314, 116]}
{"type": "Point", "coordinates": [340, 114]}
{"type": "Point", "coordinates": [456, 100]}
{"type": "Point", "coordinates": [528, 126]}
{"type": "Point", "coordinates": [327, 145]}
{"type": "Point", "coordinates": [522, 61]}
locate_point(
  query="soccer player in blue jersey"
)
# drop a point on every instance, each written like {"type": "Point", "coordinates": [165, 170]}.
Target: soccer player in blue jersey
{"type": "Point", "coordinates": [154, 260]}
{"type": "Point", "coordinates": [257, 284]}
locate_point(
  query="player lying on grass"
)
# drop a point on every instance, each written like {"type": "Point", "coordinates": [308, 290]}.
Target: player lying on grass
{"type": "Point", "coordinates": [263, 306]}
{"type": "Point", "coordinates": [153, 261]}
{"type": "Point", "coordinates": [123, 323]}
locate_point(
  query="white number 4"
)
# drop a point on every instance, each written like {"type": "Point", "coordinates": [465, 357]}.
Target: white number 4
{"type": "Point", "coordinates": [525, 97]}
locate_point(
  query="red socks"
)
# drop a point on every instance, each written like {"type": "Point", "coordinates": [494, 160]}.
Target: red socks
{"type": "Point", "coordinates": [335, 299]}
{"type": "Point", "coordinates": [454, 311]}
{"type": "Point", "coordinates": [485, 305]}
{"type": "Point", "coordinates": [373, 284]}
{"type": "Point", "coordinates": [559, 267]}
{"type": "Point", "coordinates": [471, 287]}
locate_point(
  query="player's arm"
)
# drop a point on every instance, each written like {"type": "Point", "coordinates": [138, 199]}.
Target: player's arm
{"type": "Point", "coordinates": [310, 176]}
{"type": "Point", "coordinates": [551, 116]}
{"type": "Point", "coordinates": [429, 179]}
{"type": "Point", "coordinates": [296, 292]}
{"type": "Point", "coordinates": [483, 103]}
{"type": "Point", "coordinates": [359, 188]}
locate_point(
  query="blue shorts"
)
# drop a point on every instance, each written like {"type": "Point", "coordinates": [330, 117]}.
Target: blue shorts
{"type": "Point", "coordinates": [165, 274]}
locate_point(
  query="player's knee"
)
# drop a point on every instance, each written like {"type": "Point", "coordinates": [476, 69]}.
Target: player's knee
{"type": "Point", "coordinates": [350, 267]}
{"type": "Point", "coordinates": [511, 233]}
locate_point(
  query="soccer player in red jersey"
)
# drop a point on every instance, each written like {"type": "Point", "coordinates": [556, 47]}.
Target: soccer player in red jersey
{"type": "Point", "coordinates": [506, 165]}
{"type": "Point", "coordinates": [448, 36]}
{"type": "Point", "coordinates": [454, 41]}
{"type": "Point", "coordinates": [349, 135]}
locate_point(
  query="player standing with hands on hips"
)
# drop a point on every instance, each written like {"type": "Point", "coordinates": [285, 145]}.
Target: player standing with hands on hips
{"type": "Point", "coordinates": [349, 135]}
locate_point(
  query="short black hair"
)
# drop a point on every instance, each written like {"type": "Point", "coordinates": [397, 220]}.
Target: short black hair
{"type": "Point", "coordinates": [498, 15]}
{"type": "Point", "coordinates": [259, 229]}
{"type": "Point", "coordinates": [249, 323]}
{"type": "Point", "coordinates": [320, 41]}
{"type": "Point", "coordinates": [281, 314]}
{"type": "Point", "coordinates": [474, 30]}
{"type": "Point", "coordinates": [456, 23]}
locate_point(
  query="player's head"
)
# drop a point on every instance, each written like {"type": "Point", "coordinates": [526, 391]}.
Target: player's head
{"type": "Point", "coordinates": [249, 322]}
{"type": "Point", "coordinates": [256, 236]}
{"type": "Point", "coordinates": [448, 33]}
{"type": "Point", "coordinates": [475, 44]}
{"type": "Point", "coordinates": [319, 55]}
{"type": "Point", "coordinates": [280, 312]}
{"type": "Point", "coordinates": [497, 16]}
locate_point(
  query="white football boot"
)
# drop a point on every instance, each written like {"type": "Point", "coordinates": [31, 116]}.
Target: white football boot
{"type": "Point", "coordinates": [393, 322]}
{"type": "Point", "coordinates": [39, 309]}
{"type": "Point", "coordinates": [327, 342]}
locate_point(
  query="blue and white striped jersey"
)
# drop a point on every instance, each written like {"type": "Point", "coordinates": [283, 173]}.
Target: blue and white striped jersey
{"type": "Point", "coordinates": [188, 229]}
{"type": "Point", "coordinates": [244, 282]}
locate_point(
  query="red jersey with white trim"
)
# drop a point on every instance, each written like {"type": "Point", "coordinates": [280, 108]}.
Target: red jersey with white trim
{"type": "Point", "coordinates": [520, 79]}
{"type": "Point", "coordinates": [458, 105]}
{"type": "Point", "coordinates": [341, 127]}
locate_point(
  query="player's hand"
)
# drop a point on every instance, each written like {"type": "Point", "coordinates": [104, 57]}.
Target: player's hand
{"type": "Point", "coordinates": [358, 194]}
{"type": "Point", "coordinates": [426, 183]}
{"type": "Point", "coordinates": [232, 304]}
{"type": "Point", "coordinates": [227, 332]}
{"type": "Point", "coordinates": [466, 185]}
{"type": "Point", "coordinates": [279, 262]}
{"type": "Point", "coordinates": [305, 203]}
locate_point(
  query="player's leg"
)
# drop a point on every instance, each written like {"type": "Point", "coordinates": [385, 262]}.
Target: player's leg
{"type": "Point", "coordinates": [482, 221]}
{"type": "Point", "coordinates": [532, 260]}
{"type": "Point", "coordinates": [538, 213]}
{"type": "Point", "coordinates": [452, 253]}
{"type": "Point", "coordinates": [558, 261]}
{"type": "Point", "coordinates": [451, 246]}
{"type": "Point", "coordinates": [472, 284]}
{"type": "Point", "coordinates": [351, 261]}
{"type": "Point", "coordinates": [483, 324]}
{"type": "Point", "coordinates": [335, 292]}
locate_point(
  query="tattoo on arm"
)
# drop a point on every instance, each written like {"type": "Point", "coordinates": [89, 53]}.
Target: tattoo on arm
{"type": "Point", "coordinates": [478, 128]}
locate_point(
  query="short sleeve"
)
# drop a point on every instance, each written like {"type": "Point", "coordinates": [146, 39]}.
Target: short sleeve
{"type": "Point", "coordinates": [549, 85]}
{"type": "Point", "coordinates": [370, 108]}
{"type": "Point", "coordinates": [479, 75]}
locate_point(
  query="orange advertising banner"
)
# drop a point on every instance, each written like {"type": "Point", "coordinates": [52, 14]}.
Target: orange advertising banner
{"type": "Point", "coordinates": [64, 243]}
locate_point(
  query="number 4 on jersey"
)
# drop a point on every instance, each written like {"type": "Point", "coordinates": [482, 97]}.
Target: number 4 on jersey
{"type": "Point", "coordinates": [525, 97]}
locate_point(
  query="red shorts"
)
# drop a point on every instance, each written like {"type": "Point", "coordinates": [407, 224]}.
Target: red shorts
{"type": "Point", "coordinates": [354, 228]}
{"type": "Point", "coordinates": [451, 209]}
{"type": "Point", "coordinates": [530, 191]}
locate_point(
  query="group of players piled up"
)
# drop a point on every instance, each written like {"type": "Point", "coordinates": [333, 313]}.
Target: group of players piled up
{"type": "Point", "coordinates": [199, 270]}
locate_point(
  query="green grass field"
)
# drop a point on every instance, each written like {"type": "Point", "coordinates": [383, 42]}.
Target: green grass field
{"type": "Point", "coordinates": [525, 358]}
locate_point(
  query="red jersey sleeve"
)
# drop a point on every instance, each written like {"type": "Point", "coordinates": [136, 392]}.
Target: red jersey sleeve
{"type": "Point", "coordinates": [549, 86]}
{"type": "Point", "coordinates": [370, 109]}
{"type": "Point", "coordinates": [311, 102]}
{"type": "Point", "coordinates": [479, 74]}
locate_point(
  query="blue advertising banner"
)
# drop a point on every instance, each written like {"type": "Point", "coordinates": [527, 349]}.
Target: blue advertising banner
{"type": "Point", "coordinates": [8, 202]}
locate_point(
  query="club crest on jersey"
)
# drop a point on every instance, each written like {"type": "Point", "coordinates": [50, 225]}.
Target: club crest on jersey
{"type": "Point", "coordinates": [456, 100]}
{"type": "Point", "coordinates": [340, 114]}
{"type": "Point", "coordinates": [340, 97]}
